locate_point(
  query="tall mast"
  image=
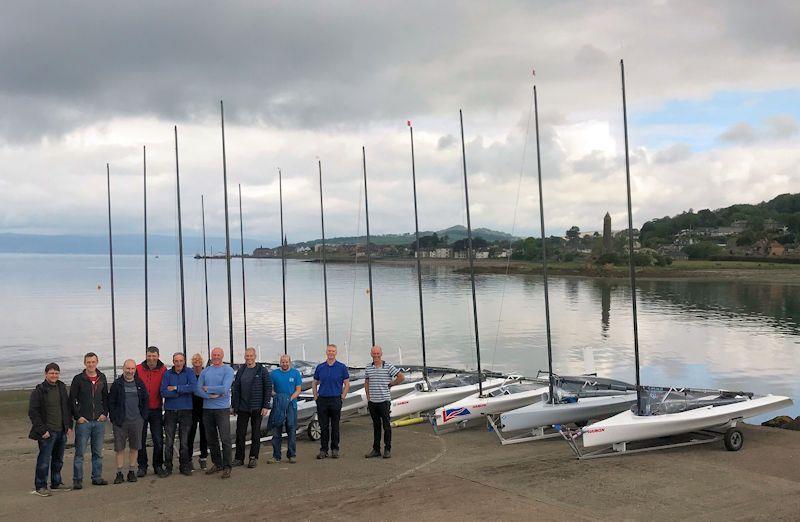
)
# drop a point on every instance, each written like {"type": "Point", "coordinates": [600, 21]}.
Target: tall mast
{"type": "Point", "coordinates": [419, 254]}
{"type": "Point", "coordinates": [369, 253]}
{"type": "Point", "coordinates": [111, 267]}
{"type": "Point", "coordinates": [470, 255]}
{"type": "Point", "coordinates": [324, 261]}
{"type": "Point", "coordinates": [146, 292]}
{"type": "Point", "coordinates": [205, 276]}
{"type": "Point", "coordinates": [544, 252]}
{"type": "Point", "coordinates": [631, 267]}
{"type": "Point", "coordinates": [244, 291]}
{"type": "Point", "coordinates": [227, 232]}
{"type": "Point", "coordinates": [180, 245]}
{"type": "Point", "coordinates": [283, 261]}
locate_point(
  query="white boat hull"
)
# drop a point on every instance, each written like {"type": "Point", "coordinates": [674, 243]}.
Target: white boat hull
{"type": "Point", "coordinates": [474, 406]}
{"type": "Point", "coordinates": [544, 414]}
{"type": "Point", "coordinates": [628, 427]}
{"type": "Point", "coordinates": [419, 401]}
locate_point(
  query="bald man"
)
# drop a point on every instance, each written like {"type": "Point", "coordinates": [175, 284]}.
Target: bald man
{"type": "Point", "coordinates": [214, 386]}
{"type": "Point", "coordinates": [127, 404]}
{"type": "Point", "coordinates": [380, 376]}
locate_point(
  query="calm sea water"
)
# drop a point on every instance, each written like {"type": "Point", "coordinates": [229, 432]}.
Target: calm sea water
{"type": "Point", "coordinates": [692, 333]}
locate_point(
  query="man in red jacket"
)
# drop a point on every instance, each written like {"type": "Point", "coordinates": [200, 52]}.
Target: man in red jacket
{"type": "Point", "coordinates": [150, 372]}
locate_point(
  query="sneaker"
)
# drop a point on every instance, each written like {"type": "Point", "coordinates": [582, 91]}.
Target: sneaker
{"type": "Point", "coordinates": [159, 470]}
{"type": "Point", "coordinates": [253, 462]}
{"type": "Point", "coordinates": [77, 484]}
{"type": "Point", "coordinates": [202, 464]}
{"type": "Point", "coordinates": [141, 472]}
{"type": "Point", "coordinates": [59, 487]}
{"type": "Point", "coordinates": [372, 454]}
{"type": "Point", "coordinates": [42, 492]}
{"type": "Point", "coordinates": [132, 476]}
{"type": "Point", "coordinates": [187, 472]}
{"type": "Point", "coordinates": [335, 454]}
{"type": "Point", "coordinates": [213, 469]}
{"type": "Point", "coordinates": [99, 482]}
{"type": "Point", "coordinates": [291, 460]}
{"type": "Point", "coordinates": [273, 460]}
{"type": "Point", "coordinates": [322, 455]}
{"type": "Point", "coordinates": [226, 473]}
{"type": "Point", "coordinates": [237, 462]}
{"type": "Point", "coordinates": [119, 479]}
{"type": "Point", "coordinates": [165, 472]}
{"type": "Point", "coordinates": [387, 454]}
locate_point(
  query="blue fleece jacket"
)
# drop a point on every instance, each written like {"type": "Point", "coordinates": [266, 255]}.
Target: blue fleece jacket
{"type": "Point", "coordinates": [218, 380]}
{"type": "Point", "coordinates": [180, 399]}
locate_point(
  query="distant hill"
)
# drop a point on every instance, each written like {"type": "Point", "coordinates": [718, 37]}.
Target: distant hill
{"type": "Point", "coordinates": [453, 234]}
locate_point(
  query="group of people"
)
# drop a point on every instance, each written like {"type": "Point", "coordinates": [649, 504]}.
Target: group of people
{"type": "Point", "coordinates": [182, 401]}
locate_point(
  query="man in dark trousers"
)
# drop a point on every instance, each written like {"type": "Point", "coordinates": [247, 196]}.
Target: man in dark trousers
{"type": "Point", "coordinates": [197, 417]}
{"type": "Point", "coordinates": [51, 424]}
{"type": "Point", "coordinates": [88, 396]}
{"type": "Point", "coordinates": [151, 372]}
{"type": "Point", "coordinates": [251, 399]}
{"type": "Point", "coordinates": [380, 376]}
{"type": "Point", "coordinates": [177, 388]}
{"type": "Point", "coordinates": [331, 384]}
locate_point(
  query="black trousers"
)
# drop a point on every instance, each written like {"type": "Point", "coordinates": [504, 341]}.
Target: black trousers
{"type": "Point", "coordinates": [379, 411]}
{"type": "Point", "coordinates": [197, 425]}
{"type": "Point", "coordinates": [180, 421]}
{"type": "Point", "coordinates": [218, 430]}
{"type": "Point", "coordinates": [329, 411]}
{"type": "Point", "coordinates": [156, 423]}
{"type": "Point", "coordinates": [243, 419]}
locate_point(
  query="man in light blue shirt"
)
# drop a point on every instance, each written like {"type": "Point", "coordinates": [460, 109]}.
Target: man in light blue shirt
{"type": "Point", "coordinates": [286, 384]}
{"type": "Point", "coordinates": [214, 386]}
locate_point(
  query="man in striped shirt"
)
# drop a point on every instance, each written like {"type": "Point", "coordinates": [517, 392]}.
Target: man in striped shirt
{"type": "Point", "coordinates": [380, 376]}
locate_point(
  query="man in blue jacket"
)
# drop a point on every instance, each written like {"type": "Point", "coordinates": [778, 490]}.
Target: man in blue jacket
{"type": "Point", "coordinates": [287, 382]}
{"type": "Point", "coordinates": [214, 386]}
{"type": "Point", "coordinates": [177, 389]}
{"type": "Point", "coordinates": [252, 395]}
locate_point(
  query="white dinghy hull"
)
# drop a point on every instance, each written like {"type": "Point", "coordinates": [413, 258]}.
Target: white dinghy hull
{"type": "Point", "coordinates": [419, 401]}
{"type": "Point", "coordinates": [545, 414]}
{"type": "Point", "coordinates": [474, 406]}
{"type": "Point", "coordinates": [628, 427]}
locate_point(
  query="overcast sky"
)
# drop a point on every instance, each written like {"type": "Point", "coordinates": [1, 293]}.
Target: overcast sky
{"type": "Point", "coordinates": [713, 101]}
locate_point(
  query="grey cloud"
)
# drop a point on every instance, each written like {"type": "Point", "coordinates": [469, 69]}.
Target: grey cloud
{"type": "Point", "coordinates": [780, 127]}
{"type": "Point", "coordinates": [740, 133]}
{"type": "Point", "coordinates": [595, 162]}
{"type": "Point", "coordinates": [445, 142]}
{"type": "Point", "coordinates": [673, 153]}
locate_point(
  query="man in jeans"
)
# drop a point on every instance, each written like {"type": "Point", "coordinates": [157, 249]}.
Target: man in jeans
{"type": "Point", "coordinates": [214, 386]}
{"type": "Point", "coordinates": [287, 383]}
{"type": "Point", "coordinates": [151, 372]}
{"type": "Point", "coordinates": [127, 405]}
{"type": "Point", "coordinates": [51, 424]}
{"type": "Point", "coordinates": [88, 396]}
{"type": "Point", "coordinates": [380, 376]}
{"type": "Point", "coordinates": [252, 396]}
{"type": "Point", "coordinates": [331, 384]}
{"type": "Point", "coordinates": [177, 388]}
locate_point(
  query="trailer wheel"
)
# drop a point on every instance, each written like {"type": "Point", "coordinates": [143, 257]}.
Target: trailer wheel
{"type": "Point", "coordinates": [734, 439]}
{"type": "Point", "coordinates": [313, 430]}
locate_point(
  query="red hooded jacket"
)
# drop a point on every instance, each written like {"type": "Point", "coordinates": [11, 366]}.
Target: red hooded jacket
{"type": "Point", "coordinates": [152, 381]}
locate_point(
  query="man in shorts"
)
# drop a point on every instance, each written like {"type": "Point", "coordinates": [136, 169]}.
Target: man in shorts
{"type": "Point", "coordinates": [128, 407]}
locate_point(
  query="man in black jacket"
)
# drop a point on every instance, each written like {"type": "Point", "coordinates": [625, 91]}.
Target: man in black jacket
{"type": "Point", "coordinates": [251, 399]}
{"type": "Point", "coordinates": [51, 424]}
{"type": "Point", "coordinates": [128, 409]}
{"type": "Point", "coordinates": [88, 396]}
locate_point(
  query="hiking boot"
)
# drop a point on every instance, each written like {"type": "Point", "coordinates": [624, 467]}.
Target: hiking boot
{"type": "Point", "coordinates": [77, 484]}
{"type": "Point", "coordinates": [159, 470]}
{"type": "Point", "coordinates": [141, 472]}
{"type": "Point", "coordinates": [213, 469]}
{"type": "Point", "coordinates": [291, 460]}
{"type": "Point", "coordinates": [119, 479]}
{"type": "Point", "coordinates": [253, 462]}
{"type": "Point", "coordinates": [164, 473]}
{"type": "Point", "coordinates": [132, 476]}
{"type": "Point", "coordinates": [322, 455]}
{"type": "Point", "coordinates": [226, 473]}
{"type": "Point", "coordinates": [387, 454]}
{"type": "Point", "coordinates": [237, 462]}
{"type": "Point", "coordinates": [335, 454]}
{"type": "Point", "coordinates": [372, 454]}
{"type": "Point", "coordinates": [99, 482]}
{"type": "Point", "coordinates": [43, 492]}
{"type": "Point", "coordinates": [202, 464]}
{"type": "Point", "coordinates": [187, 472]}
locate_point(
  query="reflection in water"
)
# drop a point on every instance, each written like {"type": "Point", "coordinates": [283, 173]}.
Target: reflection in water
{"type": "Point", "coordinates": [692, 333]}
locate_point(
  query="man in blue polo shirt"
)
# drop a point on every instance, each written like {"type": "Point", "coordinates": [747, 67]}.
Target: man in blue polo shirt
{"type": "Point", "coordinates": [331, 384]}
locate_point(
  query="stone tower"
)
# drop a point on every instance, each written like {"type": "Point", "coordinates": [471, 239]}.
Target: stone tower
{"type": "Point", "coordinates": [607, 239]}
